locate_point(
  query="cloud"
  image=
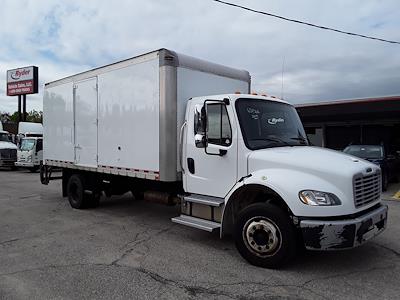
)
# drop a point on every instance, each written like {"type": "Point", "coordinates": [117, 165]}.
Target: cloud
{"type": "Point", "coordinates": [64, 38]}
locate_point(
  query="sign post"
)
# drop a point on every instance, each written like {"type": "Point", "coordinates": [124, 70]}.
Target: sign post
{"type": "Point", "coordinates": [20, 82]}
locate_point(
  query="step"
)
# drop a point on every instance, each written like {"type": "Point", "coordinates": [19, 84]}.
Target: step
{"type": "Point", "coordinates": [196, 223]}
{"type": "Point", "coordinates": [205, 200]}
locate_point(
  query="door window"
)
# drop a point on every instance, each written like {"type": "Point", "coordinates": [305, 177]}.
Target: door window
{"type": "Point", "coordinates": [219, 130]}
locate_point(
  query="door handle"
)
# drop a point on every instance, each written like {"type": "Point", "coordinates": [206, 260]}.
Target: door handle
{"type": "Point", "coordinates": [181, 146]}
{"type": "Point", "coordinates": [190, 163]}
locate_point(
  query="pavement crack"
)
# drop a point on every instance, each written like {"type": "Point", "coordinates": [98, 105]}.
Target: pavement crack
{"type": "Point", "coordinates": [8, 241]}
{"type": "Point", "coordinates": [136, 242]}
{"type": "Point", "coordinates": [395, 252]}
{"type": "Point", "coordinates": [346, 274]}
{"type": "Point", "coordinates": [29, 196]}
{"type": "Point", "coordinates": [191, 290]}
{"type": "Point", "coordinates": [48, 267]}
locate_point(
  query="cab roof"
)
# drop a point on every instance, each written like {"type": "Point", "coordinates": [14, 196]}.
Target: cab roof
{"type": "Point", "coordinates": [234, 97]}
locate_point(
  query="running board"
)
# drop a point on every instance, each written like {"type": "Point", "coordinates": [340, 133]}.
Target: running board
{"type": "Point", "coordinates": [197, 223]}
{"type": "Point", "coordinates": [205, 200]}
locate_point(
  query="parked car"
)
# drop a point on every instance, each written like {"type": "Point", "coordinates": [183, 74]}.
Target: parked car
{"type": "Point", "coordinates": [377, 154]}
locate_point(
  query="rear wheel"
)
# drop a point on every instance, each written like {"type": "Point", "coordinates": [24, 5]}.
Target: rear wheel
{"type": "Point", "coordinates": [76, 192]}
{"type": "Point", "coordinates": [264, 235]}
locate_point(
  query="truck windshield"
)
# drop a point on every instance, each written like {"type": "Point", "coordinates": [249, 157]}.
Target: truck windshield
{"type": "Point", "coordinates": [4, 137]}
{"type": "Point", "coordinates": [267, 124]}
{"type": "Point", "coordinates": [27, 144]}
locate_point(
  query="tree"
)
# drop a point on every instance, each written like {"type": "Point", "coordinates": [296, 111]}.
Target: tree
{"type": "Point", "coordinates": [35, 116]}
{"type": "Point", "coordinates": [32, 116]}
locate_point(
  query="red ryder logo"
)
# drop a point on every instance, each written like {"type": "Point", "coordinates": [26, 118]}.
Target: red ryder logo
{"type": "Point", "coordinates": [22, 81]}
{"type": "Point", "coordinates": [16, 75]}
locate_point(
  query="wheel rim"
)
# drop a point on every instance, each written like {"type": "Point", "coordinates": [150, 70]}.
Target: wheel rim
{"type": "Point", "coordinates": [262, 237]}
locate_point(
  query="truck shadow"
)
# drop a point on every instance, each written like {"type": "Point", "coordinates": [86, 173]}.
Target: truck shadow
{"type": "Point", "coordinates": [369, 256]}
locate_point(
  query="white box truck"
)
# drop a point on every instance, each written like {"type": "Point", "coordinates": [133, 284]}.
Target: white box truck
{"type": "Point", "coordinates": [30, 153]}
{"type": "Point", "coordinates": [240, 164]}
{"type": "Point", "coordinates": [8, 150]}
{"type": "Point", "coordinates": [30, 145]}
{"type": "Point", "coordinates": [30, 129]}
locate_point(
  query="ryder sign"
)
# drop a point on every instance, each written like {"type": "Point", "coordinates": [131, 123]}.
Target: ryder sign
{"type": "Point", "coordinates": [22, 81]}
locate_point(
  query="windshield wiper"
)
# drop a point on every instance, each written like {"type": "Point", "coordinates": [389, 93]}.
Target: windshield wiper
{"type": "Point", "coordinates": [300, 138]}
{"type": "Point", "coordinates": [276, 140]}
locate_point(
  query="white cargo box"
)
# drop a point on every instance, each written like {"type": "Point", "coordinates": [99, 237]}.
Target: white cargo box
{"type": "Point", "coordinates": [125, 118]}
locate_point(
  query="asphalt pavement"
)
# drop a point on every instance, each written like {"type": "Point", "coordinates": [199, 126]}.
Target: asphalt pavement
{"type": "Point", "coordinates": [129, 249]}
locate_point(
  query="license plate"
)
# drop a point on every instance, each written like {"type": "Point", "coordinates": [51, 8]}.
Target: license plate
{"type": "Point", "coordinates": [371, 233]}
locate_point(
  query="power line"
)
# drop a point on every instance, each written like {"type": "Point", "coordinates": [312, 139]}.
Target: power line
{"type": "Point", "coordinates": [306, 23]}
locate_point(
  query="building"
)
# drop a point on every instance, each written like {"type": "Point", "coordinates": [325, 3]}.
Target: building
{"type": "Point", "coordinates": [336, 124]}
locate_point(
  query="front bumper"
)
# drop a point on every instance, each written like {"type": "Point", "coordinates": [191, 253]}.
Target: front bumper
{"type": "Point", "coordinates": [24, 164]}
{"type": "Point", "coordinates": [343, 234]}
{"type": "Point", "coordinates": [6, 162]}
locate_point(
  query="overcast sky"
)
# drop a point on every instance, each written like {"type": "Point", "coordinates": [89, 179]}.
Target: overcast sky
{"type": "Point", "coordinates": [66, 37]}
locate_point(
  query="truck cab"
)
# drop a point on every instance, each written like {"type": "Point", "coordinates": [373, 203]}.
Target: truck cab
{"type": "Point", "coordinates": [248, 170]}
{"type": "Point", "coordinates": [8, 150]}
{"type": "Point", "coordinates": [30, 153]}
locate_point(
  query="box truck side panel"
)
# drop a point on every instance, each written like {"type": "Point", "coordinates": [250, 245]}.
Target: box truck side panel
{"type": "Point", "coordinates": [58, 123]}
{"type": "Point", "coordinates": [192, 83]}
{"type": "Point", "coordinates": [85, 111]}
{"type": "Point", "coordinates": [128, 135]}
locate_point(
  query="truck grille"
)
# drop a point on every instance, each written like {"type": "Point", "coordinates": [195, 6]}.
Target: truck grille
{"type": "Point", "coordinates": [8, 153]}
{"type": "Point", "coordinates": [367, 188]}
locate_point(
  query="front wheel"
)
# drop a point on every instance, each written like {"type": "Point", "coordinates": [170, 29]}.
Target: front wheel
{"type": "Point", "coordinates": [264, 235]}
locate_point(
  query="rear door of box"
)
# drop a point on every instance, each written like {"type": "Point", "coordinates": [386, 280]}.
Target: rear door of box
{"type": "Point", "coordinates": [85, 111]}
{"type": "Point", "coordinates": [58, 123]}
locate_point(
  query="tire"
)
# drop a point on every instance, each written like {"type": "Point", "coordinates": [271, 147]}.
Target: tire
{"type": "Point", "coordinates": [76, 192]}
{"type": "Point", "coordinates": [265, 236]}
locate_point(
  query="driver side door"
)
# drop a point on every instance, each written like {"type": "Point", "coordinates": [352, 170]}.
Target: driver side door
{"type": "Point", "coordinates": [210, 168]}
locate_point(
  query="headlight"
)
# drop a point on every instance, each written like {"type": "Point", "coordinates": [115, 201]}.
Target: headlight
{"type": "Point", "coordinates": [29, 158]}
{"type": "Point", "coordinates": [318, 198]}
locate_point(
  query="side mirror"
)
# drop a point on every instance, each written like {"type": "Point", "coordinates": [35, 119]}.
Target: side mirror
{"type": "Point", "coordinates": [200, 140]}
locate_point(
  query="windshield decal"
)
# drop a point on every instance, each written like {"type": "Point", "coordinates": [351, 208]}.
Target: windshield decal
{"type": "Point", "coordinates": [253, 112]}
{"type": "Point", "coordinates": [273, 121]}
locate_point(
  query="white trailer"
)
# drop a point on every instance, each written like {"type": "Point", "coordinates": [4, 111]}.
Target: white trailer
{"type": "Point", "coordinates": [239, 163]}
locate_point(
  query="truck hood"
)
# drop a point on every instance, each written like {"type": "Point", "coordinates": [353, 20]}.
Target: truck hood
{"type": "Point", "coordinates": [305, 159]}
{"type": "Point", "coordinates": [289, 170]}
{"type": "Point", "coordinates": [7, 145]}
